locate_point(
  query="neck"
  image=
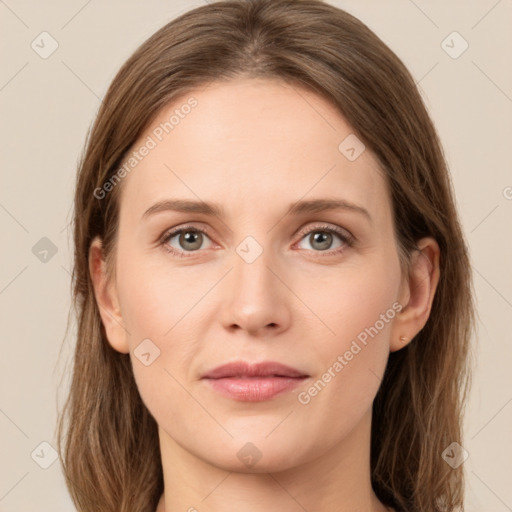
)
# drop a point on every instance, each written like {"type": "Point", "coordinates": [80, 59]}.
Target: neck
{"type": "Point", "coordinates": [335, 481]}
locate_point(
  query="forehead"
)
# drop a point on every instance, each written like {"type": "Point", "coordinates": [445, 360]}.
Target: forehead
{"type": "Point", "coordinates": [247, 143]}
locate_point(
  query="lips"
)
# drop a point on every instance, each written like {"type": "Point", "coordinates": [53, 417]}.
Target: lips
{"type": "Point", "coordinates": [247, 382]}
{"type": "Point", "coordinates": [243, 369]}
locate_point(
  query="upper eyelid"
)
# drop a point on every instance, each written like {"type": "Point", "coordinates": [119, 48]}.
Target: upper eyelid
{"type": "Point", "coordinates": [327, 226]}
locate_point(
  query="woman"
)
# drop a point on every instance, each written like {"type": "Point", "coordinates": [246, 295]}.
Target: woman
{"type": "Point", "coordinates": [308, 355]}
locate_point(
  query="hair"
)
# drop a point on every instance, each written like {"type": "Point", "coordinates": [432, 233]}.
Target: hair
{"type": "Point", "coordinates": [111, 454]}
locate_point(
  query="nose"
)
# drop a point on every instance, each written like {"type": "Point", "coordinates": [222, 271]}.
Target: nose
{"type": "Point", "coordinates": [257, 299]}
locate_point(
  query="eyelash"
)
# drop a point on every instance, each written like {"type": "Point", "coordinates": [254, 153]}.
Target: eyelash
{"type": "Point", "coordinates": [345, 237]}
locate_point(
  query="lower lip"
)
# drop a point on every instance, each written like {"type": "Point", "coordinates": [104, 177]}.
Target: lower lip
{"type": "Point", "coordinates": [254, 389]}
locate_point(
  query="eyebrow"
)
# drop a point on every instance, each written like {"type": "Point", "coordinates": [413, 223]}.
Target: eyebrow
{"type": "Point", "coordinates": [299, 208]}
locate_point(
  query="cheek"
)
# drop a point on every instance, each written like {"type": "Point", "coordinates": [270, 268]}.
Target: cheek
{"type": "Point", "coordinates": [357, 299]}
{"type": "Point", "coordinates": [154, 300]}
{"type": "Point", "coordinates": [358, 308]}
{"type": "Point", "coordinates": [158, 312]}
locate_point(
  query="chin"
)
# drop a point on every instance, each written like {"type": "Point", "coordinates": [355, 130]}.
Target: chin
{"type": "Point", "coordinates": [257, 454]}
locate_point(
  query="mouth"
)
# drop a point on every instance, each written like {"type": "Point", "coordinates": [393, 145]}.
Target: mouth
{"type": "Point", "coordinates": [247, 382]}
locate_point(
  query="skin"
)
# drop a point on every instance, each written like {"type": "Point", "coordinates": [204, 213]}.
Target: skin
{"type": "Point", "coordinates": [255, 147]}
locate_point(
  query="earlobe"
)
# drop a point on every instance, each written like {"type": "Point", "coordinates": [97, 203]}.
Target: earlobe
{"type": "Point", "coordinates": [106, 299]}
{"type": "Point", "coordinates": [419, 292]}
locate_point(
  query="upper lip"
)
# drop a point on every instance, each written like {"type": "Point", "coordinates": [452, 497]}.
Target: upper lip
{"type": "Point", "coordinates": [245, 369]}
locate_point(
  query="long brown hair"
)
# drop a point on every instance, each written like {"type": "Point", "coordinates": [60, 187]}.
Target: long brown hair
{"type": "Point", "coordinates": [111, 455]}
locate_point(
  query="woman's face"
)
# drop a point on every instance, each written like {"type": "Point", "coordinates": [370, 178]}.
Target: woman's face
{"type": "Point", "coordinates": [270, 277]}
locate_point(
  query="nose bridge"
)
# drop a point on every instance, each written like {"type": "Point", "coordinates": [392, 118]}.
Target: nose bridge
{"type": "Point", "coordinates": [256, 298]}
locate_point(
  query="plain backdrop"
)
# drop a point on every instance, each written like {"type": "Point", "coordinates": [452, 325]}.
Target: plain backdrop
{"type": "Point", "coordinates": [46, 107]}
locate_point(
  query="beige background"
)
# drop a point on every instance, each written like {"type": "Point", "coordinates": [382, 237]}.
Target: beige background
{"type": "Point", "coordinates": [46, 106]}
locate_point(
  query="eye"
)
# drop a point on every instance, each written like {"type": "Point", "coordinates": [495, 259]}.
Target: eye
{"type": "Point", "coordinates": [321, 239]}
{"type": "Point", "coordinates": [188, 239]}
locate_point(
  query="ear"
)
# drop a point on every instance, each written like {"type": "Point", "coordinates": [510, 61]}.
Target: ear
{"type": "Point", "coordinates": [417, 293]}
{"type": "Point", "coordinates": [106, 298]}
